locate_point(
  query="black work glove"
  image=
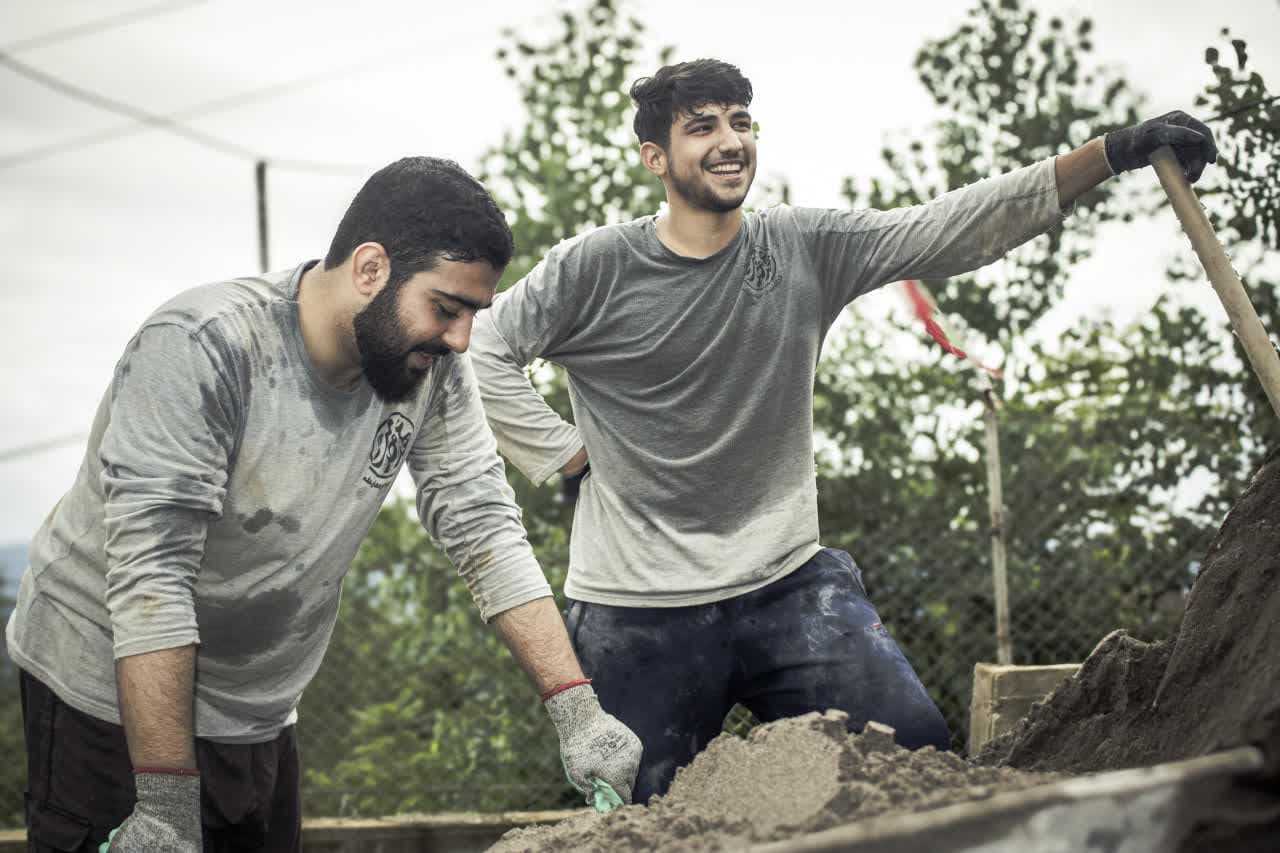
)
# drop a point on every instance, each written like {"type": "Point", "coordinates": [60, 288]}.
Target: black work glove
{"type": "Point", "coordinates": [1191, 140]}
{"type": "Point", "coordinates": [569, 486]}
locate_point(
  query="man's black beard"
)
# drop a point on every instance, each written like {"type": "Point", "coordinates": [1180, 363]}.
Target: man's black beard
{"type": "Point", "coordinates": [384, 348]}
{"type": "Point", "coordinates": [698, 194]}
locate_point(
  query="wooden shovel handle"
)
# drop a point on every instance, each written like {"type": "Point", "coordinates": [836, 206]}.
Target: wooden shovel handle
{"type": "Point", "coordinates": [1244, 319]}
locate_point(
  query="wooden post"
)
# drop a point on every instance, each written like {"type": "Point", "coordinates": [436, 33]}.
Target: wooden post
{"type": "Point", "coordinates": [260, 179]}
{"type": "Point", "coordinates": [995, 504]}
{"type": "Point", "coordinates": [1217, 266]}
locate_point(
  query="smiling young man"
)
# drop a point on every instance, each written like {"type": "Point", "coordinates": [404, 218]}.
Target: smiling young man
{"type": "Point", "coordinates": [180, 597]}
{"type": "Point", "coordinates": [690, 339]}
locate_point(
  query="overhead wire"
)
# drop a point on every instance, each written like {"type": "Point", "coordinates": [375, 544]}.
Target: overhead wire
{"type": "Point", "coordinates": [40, 446]}
{"type": "Point", "coordinates": [98, 25]}
{"type": "Point", "coordinates": [175, 122]}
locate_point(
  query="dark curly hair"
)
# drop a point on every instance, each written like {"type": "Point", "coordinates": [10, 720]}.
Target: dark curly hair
{"type": "Point", "coordinates": [676, 90]}
{"type": "Point", "coordinates": [422, 209]}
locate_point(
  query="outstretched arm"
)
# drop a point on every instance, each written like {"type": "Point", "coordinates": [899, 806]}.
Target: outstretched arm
{"type": "Point", "coordinates": [1081, 170]}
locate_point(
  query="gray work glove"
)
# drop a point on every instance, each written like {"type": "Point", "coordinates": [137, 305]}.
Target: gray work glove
{"type": "Point", "coordinates": [1131, 147]}
{"type": "Point", "coordinates": [593, 743]}
{"type": "Point", "coordinates": [166, 817]}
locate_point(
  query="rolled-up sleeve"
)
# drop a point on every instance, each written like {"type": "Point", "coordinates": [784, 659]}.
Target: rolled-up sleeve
{"type": "Point", "coordinates": [465, 502]}
{"type": "Point", "coordinates": [164, 458]}
{"type": "Point", "coordinates": [529, 320]}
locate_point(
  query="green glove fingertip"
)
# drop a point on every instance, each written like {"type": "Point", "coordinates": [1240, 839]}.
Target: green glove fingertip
{"type": "Point", "coordinates": [603, 798]}
{"type": "Point", "coordinates": [105, 846]}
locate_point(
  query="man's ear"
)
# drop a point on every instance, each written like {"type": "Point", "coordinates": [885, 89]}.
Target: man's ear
{"type": "Point", "coordinates": [370, 268]}
{"type": "Point", "coordinates": [654, 158]}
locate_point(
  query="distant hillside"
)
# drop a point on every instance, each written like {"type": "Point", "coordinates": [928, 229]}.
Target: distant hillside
{"type": "Point", "coordinates": [13, 562]}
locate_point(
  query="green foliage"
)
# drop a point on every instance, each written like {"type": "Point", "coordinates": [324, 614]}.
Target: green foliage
{"type": "Point", "coordinates": [444, 718]}
{"type": "Point", "coordinates": [418, 706]}
{"type": "Point", "coordinates": [434, 713]}
{"type": "Point", "coordinates": [13, 771]}
{"type": "Point", "coordinates": [1250, 142]}
{"type": "Point", "coordinates": [1013, 89]}
{"type": "Point", "coordinates": [1122, 448]}
{"type": "Point", "coordinates": [573, 164]}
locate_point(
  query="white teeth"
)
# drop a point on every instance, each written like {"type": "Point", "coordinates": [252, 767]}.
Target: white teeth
{"type": "Point", "coordinates": [728, 169]}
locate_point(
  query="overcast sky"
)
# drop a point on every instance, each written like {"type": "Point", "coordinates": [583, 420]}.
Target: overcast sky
{"type": "Point", "coordinates": [95, 235]}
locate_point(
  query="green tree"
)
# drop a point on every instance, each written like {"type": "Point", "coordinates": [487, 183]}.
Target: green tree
{"type": "Point", "coordinates": [444, 719]}
{"type": "Point", "coordinates": [1101, 429]}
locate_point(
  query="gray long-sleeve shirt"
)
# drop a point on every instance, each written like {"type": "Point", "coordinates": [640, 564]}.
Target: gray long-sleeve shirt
{"type": "Point", "coordinates": [224, 493]}
{"type": "Point", "coordinates": [691, 380]}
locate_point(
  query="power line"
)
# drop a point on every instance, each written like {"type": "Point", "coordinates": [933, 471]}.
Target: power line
{"type": "Point", "coordinates": [40, 446]}
{"type": "Point", "coordinates": [98, 25]}
{"type": "Point", "coordinates": [141, 119]}
{"type": "Point", "coordinates": [120, 108]}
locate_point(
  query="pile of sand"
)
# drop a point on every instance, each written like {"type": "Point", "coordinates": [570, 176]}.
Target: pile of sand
{"type": "Point", "coordinates": [786, 778]}
{"type": "Point", "coordinates": [1215, 685]}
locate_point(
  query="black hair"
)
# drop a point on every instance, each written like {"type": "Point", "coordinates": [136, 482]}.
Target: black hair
{"type": "Point", "coordinates": [422, 209]}
{"type": "Point", "coordinates": [676, 90]}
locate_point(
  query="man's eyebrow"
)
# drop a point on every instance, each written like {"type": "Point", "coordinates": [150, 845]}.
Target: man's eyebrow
{"type": "Point", "coordinates": [474, 306]}
{"type": "Point", "coordinates": [737, 114]}
{"type": "Point", "coordinates": [696, 118]}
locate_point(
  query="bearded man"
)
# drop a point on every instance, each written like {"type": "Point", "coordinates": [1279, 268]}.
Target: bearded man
{"type": "Point", "coordinates": [181, 596]}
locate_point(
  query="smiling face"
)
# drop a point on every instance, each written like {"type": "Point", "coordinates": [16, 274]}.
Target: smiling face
{"type": "Point", "coordinates": [409, 324]}
{"type": "Point", "coordinates": [711, 159]}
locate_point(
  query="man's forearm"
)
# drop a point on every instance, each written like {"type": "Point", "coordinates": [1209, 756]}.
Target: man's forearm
{"type": "Point", "coordinates": [575, 465]}
{"type": "Point", "coordinates": [536, 635]}
{"type": "Point", "coordinates": [1080, 170]}
{"type": "Point", "coordinates": [156, 692]}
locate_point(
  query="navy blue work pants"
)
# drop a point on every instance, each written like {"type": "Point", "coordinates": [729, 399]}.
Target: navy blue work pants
{"type": "Point", "coordinates": [810, 641]}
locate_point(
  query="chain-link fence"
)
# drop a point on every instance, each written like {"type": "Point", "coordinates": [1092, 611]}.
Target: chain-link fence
{"type": "Point", "coordinates": [419, 708]}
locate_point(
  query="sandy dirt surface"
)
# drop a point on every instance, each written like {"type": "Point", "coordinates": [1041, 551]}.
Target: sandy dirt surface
{"type": "Point", "coordinates": [1214, 685]}
{"type": "Point", "coordinates": [787, 778]}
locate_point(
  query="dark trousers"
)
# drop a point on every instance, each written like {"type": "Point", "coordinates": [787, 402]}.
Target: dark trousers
{"type": "Point", "coordinates": [810, 641]}
{"type": "Point", "coordinates": [80, 783]}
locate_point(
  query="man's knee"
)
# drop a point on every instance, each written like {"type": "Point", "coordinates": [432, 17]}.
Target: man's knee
{"type": "Point", "coordinates": [923, 725]}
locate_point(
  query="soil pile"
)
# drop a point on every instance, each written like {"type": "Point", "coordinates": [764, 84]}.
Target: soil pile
{"type": "Point", "coordinates": [786, 778]}
{"type": "Point", "coordinates": [1215, 685]}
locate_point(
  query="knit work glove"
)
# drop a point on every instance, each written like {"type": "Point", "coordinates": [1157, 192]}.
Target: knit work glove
{"type": "Point", "coordinates": [166, 817]}
{"type": "Point", "coordinates": [1191, 140]}
{"type": "Point", "coordinates": [594, 745]}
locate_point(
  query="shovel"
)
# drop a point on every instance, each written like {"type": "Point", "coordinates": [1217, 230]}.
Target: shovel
{"type": "Point", "coordinates": [1244, 319]}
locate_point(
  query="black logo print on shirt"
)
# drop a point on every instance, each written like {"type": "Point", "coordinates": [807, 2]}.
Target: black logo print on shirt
{"type": "Point", "coordinates": [762, 271]}
{"type": "Point", "coordinates": [390, 443]}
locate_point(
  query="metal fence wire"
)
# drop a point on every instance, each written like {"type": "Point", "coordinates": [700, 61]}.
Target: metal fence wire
{"type": "Point", "coordinates": [418, 707]}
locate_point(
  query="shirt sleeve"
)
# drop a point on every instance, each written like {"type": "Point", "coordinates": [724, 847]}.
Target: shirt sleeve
{"type": "Point", "coordinates": [528, 320]}
{"type": "Point", "coordinates": [856, 251]}
{"type": "Point", "coordinates": [465, 502]}
{"type": "Point", "coordinates": [164, 454]}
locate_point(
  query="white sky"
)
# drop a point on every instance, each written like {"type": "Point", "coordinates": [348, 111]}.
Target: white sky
{"type": "Point", "coordinates": [95, 237]}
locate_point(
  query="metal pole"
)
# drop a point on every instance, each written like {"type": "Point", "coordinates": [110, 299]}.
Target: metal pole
{"type": "Point", "coordinates": [260, 179]}
{"type": "Point", "coordinates": [995, 504]}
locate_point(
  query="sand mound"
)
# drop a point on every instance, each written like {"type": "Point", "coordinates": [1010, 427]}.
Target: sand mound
{"type": "Point", "coordinates": [1215, 685]}
{"type": "Point", "coordinates": [787, 778]}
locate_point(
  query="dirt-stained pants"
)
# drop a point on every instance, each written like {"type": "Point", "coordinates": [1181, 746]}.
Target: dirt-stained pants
{"type": "Point", "coordinates": [810, 641]}
{"type": "Point", "coordinates": [80, 783]}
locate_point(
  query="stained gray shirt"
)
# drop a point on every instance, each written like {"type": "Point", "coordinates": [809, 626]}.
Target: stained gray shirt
{"type": "Point", "coordinates": [691, 380]}
{"type": "Point", "coordinates": [224, 493]}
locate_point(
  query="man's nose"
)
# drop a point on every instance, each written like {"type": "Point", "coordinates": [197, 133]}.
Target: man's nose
{"type": "Point", "coordinates": [729, 141]}
{"type": "Point", "coordinates": [458, 336]}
